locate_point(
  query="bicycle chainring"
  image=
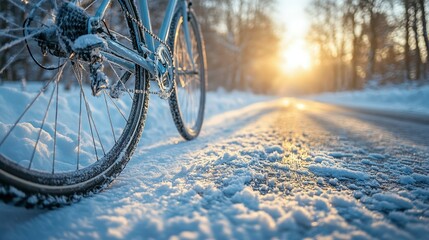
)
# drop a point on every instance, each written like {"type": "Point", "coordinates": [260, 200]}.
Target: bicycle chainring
{"type": "Point", "coordinates": [165, 77]}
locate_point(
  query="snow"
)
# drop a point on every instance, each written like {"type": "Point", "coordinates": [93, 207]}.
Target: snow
{"type": "Point", "coordinates": [336, 172]}
{"type": "Point", "coordinates": [406, 180]}
{"type": "Point", "coordinates": [392, 201]}
{"type": "Point", "coordinates": [376, 156]}
{"type": "Point", "coordinates": [247, 197]}
{"type": "Point", "coordinates": [240, 179]}
{"type": "Point", "coordinates": [406, 97]}
{"type": "Point", "coordinates": [340, 155]}
{"type": "Point", "coordinates": [88, 41]}
{"type": "Point", "coordinates": [420, 178]}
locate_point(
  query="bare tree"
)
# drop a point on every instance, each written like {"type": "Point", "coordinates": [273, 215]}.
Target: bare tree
{"type": "Point", "coordinates": [351, 18]}
{"type": "Point", "coordinates": [325, 32]}
{"type": "Point", "coordinates": [369, 7]}
{"type": "Point", "coordinates": [417, 54]}
{"type": "Point", "coordinates": [407, 47]}
{"type": "Point", "coordinates": [424, 33]}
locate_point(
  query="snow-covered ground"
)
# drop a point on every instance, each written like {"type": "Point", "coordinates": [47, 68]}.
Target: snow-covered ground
{"type": "Point", "coordinates": [262, 168]}
{"type": "Point", "coordinates": [159, 124]}
{"type": "Point", "coordinates": [405, 98]}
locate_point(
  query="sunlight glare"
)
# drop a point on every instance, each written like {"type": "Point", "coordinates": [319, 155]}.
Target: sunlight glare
{"type": "Point", "coordinates": [286, 102]}
{"type": "Point", "coordinates": [296, 57]}
{"type": "Point", "coordinates": [300, 106]}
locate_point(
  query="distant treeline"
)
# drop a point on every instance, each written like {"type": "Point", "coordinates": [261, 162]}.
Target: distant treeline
{"type": "Point", "coordinates": [241, 42]}
{"type": "Point", "coordinates": [357, 42]}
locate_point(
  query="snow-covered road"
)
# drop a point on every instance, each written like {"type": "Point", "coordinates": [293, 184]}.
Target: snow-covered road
{"type": "Point", "coordinates": [282, 168]}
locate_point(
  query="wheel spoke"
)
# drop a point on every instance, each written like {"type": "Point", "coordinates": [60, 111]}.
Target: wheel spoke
{"type": "Point", "coordinates": [119, 35]}
{"type": "Point", "coordinates": [8, 35]}
{"type": "Point", "coordinates": [96, 129]}
{"type": "Point", "coordinates": [17, 5]}
{"type": "Point", "coordinates": [117, 108]}
{"type": "Point", "coordinates": [8, 32]}
{"type": "Point", "coordinates": [88, 112]}
{"type": "Point", "coordinates": [110, 118]}
{"type": "Point", "coordinates": [12, 59]}
{"type": "Point", "coordinates": [89, 120]}
{"type": "Point", "coordinates": [60, 151]}
{"type": "Point", "coordinates": [41, 127]}
{"type": "Point", "coordinates": [90, 5]}
{"type": "Point", "coordinates": [30, 4]}
{"type": "Point", "coordinates": [18, 41]}
{"type": "Point", "coordinates": [2, 17]}
{"type": "Point", "coordinates": [120, 79]}
{"type": "Point", "coordinates": [55, 128]}
{"type": "Point", "coordinates": [31, 104]}
{"type": "Point", "coordinates": [79, 131]}
{"type": "Point", "coordinates": [189, 77]}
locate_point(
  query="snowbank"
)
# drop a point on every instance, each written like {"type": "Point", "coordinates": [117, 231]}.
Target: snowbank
{"type": "Point", "coordinates": [244, 177]}
{"type": "Point", "coordinates": [404, 98]}
{"type": "Point", "coordinates": [159, 124]}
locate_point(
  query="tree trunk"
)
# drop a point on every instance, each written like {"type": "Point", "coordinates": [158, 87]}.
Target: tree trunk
{"type": "Point", "coordinates": [355, 53]}
{"type": "Point", "coordinates": [373, 45]}
{"type": "Point", "coordinates": [418, 59]}
{"type": "Point", "coordinates": [343, 70]}
{"type": "Point", "coordinates": [425, 32]}
{"type": "Point", "coordinates": [407, 40]}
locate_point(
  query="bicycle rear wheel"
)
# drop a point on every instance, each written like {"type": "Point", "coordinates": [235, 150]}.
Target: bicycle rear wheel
{"type": "Point", "coordinates": [187, 101]}
{"type": "Point", "coordinates": [57, 141]}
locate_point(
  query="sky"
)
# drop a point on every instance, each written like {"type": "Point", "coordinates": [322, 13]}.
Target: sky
{"type": "Point", "coordinates": [291, 14]}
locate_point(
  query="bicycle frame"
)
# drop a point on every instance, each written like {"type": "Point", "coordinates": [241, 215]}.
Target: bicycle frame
{"type": "Point", "coordinates": [130, 57]}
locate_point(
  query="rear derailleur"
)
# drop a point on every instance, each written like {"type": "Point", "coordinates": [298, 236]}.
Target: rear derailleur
{"type": "Point", "coordinates": [69, 38]}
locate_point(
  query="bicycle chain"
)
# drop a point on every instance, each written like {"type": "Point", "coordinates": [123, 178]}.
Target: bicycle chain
{"type": "Point", "coordinates": [161, 93]}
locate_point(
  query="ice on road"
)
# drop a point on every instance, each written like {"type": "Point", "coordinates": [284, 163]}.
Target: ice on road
{"type": "Point", "coordinates": [278, 168]}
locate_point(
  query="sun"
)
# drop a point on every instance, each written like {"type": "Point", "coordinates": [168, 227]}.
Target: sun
{"type": "Point", "coordinates": [296, 57]}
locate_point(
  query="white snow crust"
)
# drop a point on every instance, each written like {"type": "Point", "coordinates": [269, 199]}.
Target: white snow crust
{"type": "Point", "coordinates": [406, 97]}
{"type": "Point", "coordinates": [234, 182]}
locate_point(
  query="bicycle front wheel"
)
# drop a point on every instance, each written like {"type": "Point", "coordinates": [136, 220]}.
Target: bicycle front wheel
{"type": "Point", "coordinates": [58, 141]}
{"type": "Point", "coordinates": [187, 101]}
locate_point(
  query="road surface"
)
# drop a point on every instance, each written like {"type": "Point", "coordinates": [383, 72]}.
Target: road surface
{"type": "Point", "coordinates": [286, 168]}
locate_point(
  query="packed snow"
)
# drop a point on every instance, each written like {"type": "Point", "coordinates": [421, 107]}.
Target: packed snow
{"type": "Point", "coordinates": [255, 172]}
{"type": "Point", "coordinates": [407, 97]}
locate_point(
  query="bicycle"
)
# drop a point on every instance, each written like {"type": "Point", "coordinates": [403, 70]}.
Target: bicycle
{"type": "Point", "coordinates": [57, 146]}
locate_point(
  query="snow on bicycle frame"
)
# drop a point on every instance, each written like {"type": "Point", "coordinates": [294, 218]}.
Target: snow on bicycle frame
{"type": "Point", "coordinates": [78, 32]}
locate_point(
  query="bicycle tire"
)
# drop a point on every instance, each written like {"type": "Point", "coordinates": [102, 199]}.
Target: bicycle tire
{"type": "Point", "coordinates": [23, 186]}
{"type": "Point", "coordinates": [188, 119]}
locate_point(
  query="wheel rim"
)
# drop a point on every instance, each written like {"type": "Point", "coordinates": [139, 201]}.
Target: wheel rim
{"type": "Point", "coordinates": [189, 78]}
{"type": "Point", "coordinates": [53, 133]}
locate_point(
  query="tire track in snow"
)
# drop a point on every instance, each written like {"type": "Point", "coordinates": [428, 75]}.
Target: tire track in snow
{"type": "Point", "coordinates": [249, 176]}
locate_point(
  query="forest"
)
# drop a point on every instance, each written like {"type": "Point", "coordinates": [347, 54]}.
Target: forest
{"type": "Point", "coordinates": [353, 44]}
{"type": "Point", "coordinates": [242, 42]}
{"type": "Point", "coordinates": [373, 42]}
